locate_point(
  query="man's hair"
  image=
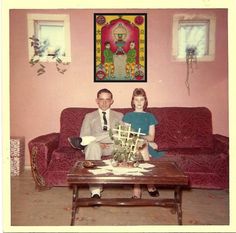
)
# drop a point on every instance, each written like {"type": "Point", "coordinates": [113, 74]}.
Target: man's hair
{"type": "Point", "coordinates": [104, 90]}
{"type": "Point", "coordinates": [139, 92]}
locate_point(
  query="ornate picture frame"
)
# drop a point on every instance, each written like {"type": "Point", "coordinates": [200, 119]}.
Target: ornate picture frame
{"type": "Point", "coordinates": [120, 47]}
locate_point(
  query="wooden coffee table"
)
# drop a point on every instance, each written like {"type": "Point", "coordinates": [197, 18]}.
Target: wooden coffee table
{"type": "Point", "coordinates": [165, 174]}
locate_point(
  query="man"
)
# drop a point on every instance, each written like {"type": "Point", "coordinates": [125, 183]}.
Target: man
{"type": "Point", "coordinates": [131, 60]}
{"type": "Point", "coordinates": [94, 132]}
{"type": "Point", "coordinates": [108, 63]}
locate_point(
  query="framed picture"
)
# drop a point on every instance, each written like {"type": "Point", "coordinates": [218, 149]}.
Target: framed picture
{"type": "Point", "coordinates": [120, 47]}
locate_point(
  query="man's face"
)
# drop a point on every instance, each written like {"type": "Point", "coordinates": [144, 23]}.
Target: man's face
{"type": "Point", "coordinates": [132, 45]}
{"type": "Point", "coordinates": [104, 101]}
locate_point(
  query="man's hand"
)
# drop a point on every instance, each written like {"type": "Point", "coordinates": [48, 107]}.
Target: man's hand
{"type": "Point", "coordinates": [104, 145]}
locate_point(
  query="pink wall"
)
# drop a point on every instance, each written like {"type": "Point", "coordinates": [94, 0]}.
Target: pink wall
{"type": "Point", "coordinates": [36, 102]}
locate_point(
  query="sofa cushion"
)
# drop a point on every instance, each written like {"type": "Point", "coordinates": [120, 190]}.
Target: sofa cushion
{"type": "Point", "coordinates": [200, 162]}
{"type": "Point", "coordinates": [182, 127]}
{"type": "Point", "coordinates": [64, 158]}
{"type": "Point", "coordinates": [204, 170]}
{"type": "Point", "coordinates": [71, 121]}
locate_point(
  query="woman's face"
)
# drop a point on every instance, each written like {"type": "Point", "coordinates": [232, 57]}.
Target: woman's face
{"type": "Point", "coordinates": [139, 102]}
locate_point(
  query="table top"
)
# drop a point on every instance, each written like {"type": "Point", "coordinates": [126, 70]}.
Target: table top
{"type": "Point", "coordinates": [163, 173]}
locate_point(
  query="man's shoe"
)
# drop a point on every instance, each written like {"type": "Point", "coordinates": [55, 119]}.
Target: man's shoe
{"type": "Point", "coordinates": [81, 142]}
{"type": "Point", "coordinates": [96, 196]}
{"type": "Point", "coordinates": [75, 142]}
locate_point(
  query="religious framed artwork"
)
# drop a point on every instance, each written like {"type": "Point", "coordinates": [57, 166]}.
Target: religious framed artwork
{"type": "Point", "coordinates": [120, 47]}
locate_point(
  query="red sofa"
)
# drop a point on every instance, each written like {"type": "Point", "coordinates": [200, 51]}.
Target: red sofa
{"type": "Point", "coordinates": [185, 133]}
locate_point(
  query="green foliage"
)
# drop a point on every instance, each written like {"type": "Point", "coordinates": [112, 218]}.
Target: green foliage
{"type": "Point", "coordinates": [126, 144]}
{"type": "Point", "coordinates": [40, 50]}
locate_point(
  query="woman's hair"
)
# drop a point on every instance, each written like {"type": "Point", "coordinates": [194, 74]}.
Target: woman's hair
{"type": "Point", "coordinates": [139, 92]}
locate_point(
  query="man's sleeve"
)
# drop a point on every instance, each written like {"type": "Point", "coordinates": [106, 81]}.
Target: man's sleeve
{"type": "Point", "coordinates": [85, 128]}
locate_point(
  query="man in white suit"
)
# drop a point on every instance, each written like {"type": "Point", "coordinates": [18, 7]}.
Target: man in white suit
{"type": "Point", "coordinates": [97, 124]}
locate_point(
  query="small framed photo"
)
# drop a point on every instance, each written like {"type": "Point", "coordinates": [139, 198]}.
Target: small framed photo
{"type": "Point", "coordinates": [120, 47]}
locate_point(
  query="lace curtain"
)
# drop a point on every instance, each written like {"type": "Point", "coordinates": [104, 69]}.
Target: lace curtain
{"type": "Point", "coordinates": [193, 34]}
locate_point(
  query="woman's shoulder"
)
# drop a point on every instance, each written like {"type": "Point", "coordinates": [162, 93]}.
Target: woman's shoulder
{"type": "Point", "coordinates": [152, 117]}
{"type": "Point", "coordinates": [139, 113]}
{"type": "Point", "coordinates": [129, 114]}
{"type": "Point", "coordinates": [150, 114]}
{"type": "Point", "coordinates": [128, 117]}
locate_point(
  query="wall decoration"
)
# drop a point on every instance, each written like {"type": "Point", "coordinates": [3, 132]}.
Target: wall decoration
{"type": "Point", "coordinates": [191, 57]}
{"type": "Point", "coordinates": [120, 47]}
{"type": "Point", "coordinates": [41, 55]}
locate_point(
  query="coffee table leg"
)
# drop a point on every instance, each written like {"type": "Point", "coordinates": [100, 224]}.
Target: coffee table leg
{"type": "Point", "coordinates": [74, 200]}
{"type": "Point", "coordinates": [178, 200]}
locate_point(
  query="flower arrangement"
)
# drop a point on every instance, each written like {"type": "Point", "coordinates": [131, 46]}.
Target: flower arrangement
{"type": "Point", "coordinates": [139, 72]}
{"type": "Point", "coordinates": [191, 51]}
{"type": "Point", "coordinates": [127, 145]}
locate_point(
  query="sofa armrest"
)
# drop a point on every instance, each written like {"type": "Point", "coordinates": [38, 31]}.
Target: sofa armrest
{"type": "Point", "coordinates": [41, 149]}
{"type": "Point", "coordinates": [221, 144]}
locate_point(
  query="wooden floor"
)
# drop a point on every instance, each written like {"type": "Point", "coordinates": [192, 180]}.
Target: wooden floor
{"type": "Point", "coordinates": [53, 207]}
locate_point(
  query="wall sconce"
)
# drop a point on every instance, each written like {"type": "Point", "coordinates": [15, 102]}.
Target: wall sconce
{"type": "Point", "coordinates": [191, 57]}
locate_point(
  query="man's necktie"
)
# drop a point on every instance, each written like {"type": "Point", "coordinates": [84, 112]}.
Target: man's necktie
{"type": "Point", "coordinates": [104, 121]}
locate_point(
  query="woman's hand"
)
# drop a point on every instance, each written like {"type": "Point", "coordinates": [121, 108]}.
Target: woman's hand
{"type": "Point", "coordinates": [153, 145]}
{"type": "Point", "coordinates": [151, 134]}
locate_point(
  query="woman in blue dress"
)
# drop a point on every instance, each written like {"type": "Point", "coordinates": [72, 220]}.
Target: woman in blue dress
{"type": "Point", "coordinates": [146, 121]}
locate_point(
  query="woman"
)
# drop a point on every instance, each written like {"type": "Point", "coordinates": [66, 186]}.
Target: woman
{"type": "Point", "coordinates": [146, 121]}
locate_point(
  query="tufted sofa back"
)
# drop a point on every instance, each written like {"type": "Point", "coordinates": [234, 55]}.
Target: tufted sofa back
{"type": "Point", "coordinates": [178, 128]}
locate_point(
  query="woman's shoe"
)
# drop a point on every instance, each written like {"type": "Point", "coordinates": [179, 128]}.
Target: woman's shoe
{"type": "Point", "coordinates": [154, 193]}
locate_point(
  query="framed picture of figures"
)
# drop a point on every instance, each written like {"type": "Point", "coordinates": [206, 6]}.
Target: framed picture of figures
{"type": "Point", "coordinates": [120, 47]}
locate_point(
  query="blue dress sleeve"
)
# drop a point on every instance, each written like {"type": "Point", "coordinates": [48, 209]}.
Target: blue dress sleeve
{"type": "Point", "coordinates": [124, 119]}
{"type": "Point", "coordinates": [152, 119]}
